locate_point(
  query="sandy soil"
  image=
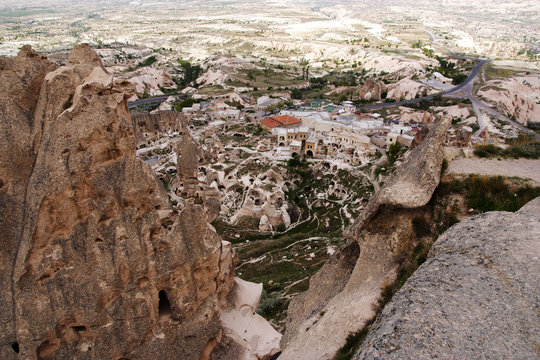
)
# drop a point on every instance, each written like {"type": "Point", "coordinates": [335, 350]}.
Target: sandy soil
{"type": "Point", "coordinates": [524, 168]}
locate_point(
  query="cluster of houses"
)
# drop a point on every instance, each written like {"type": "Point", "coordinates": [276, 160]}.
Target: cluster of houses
{"type": "Point", "coordinates": [349, 137]}
{"type": "Point", "coordinates": [315, 129]}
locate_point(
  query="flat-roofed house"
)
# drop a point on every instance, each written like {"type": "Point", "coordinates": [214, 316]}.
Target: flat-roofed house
{"type": "Point", "coordinates": [311, 146]}
{"type": "Point", "coordinates": [295, 147]}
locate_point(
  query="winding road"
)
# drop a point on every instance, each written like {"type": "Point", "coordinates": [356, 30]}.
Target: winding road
{"type": "Point", "coordinates": [151, 100]}
{"type": "Point", "coordinates": [463, 90]}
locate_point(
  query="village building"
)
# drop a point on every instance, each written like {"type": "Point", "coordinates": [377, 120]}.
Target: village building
{"type": "Point", "coordinates": [311, 146]}
{"type": "Point", "coordinates": [283, 121]}
{"type": "Point", "coordinates": [286, 135]}
{"type": "Point", "coordinates": [391, 138]}
{"type": "Point", "coordinates": [295, 147]}
{"type": "Point", "coordinates": [405, 140]}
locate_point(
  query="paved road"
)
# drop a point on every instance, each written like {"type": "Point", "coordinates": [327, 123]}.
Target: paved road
{"type": "Point", "coordinates": [455, 89]}
{"type": "Point", "coordinates": [151, 100]}
{"type": "Point", "coordinates": [464, 90]}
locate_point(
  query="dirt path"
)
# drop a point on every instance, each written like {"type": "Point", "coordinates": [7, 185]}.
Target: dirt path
{"type": "Point", "coordinates": [523, 168]}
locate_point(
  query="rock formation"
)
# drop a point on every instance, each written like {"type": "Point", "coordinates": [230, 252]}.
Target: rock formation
{"type": "Point", "coordinates": [318, 326]}
{"type": "Point", "coordinates": [371, 90]}
{"type": "Point", "coordinates": [406, 89]}
{"type": "Point", "coordinates": [517, 97]}
{"type": "Point", "coordinates": [20, 82]}
{"type": "Point", "coordinates": [188, 155]}
{"type": "Point", "coordinates": [475, 296]}
{"type": "Point", "coordinates": [149, 126]}
{"type": "Point", "coordinates": [95, 263]}
{"type": "Point", "coordinates": [256, 338]}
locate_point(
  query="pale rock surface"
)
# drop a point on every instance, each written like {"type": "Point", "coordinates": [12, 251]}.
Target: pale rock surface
{"type": "Point", "coordinates": [409, 115]}
{"type": "Point", "coordinates": [476, 296]}
{"type": "Point", "coordinates": [371, 90]}
{"type": "Point", "coordinates": [150, 80]}
{"type": "Point", "coordinates": [461, 112]}
{"type": "Point", "coordinates": [264, 224]}
{"type": "Point", "coordinates": [519, 97]}
{"type": "Point", "coordinates": [407, 89]}
{"type": "Point", "coordinates": [257, 337]}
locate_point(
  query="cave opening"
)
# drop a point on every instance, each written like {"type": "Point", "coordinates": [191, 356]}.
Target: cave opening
{"type": "Point", "coordinates": [15, 347]}
{"type": "Point", "coordinates": [164, 307]}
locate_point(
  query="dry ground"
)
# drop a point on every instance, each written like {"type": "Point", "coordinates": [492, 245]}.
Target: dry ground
{"type": "Point", "coordinates": [524, 168]}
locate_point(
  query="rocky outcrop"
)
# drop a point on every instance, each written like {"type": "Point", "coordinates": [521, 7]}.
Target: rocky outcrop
{"type": "Point", "coordinates": [256, 338]}
{"type": "Point", "coordinates": [413, 183]}
{"type": "Point", "coordinates": [385, 234]}
{"type": "Point", "coordinates": [475, 296]}
{"type": "Point", "coordinates": [516, 97]}
{"type": "Point", "coordinates": [148, 126]}
{"type": "Point", "coordinates": [324, 285]}
{"type": "Point", "coordinates": [371, 90]}
{"type": "Point", "coordinates": [96, 264]}
{"type": "Point", "coordinates": [188, 155]}
{"type": "Point", "coordinates": [21, 79]}
{"type": "Point", "coordinates": [407, 89]}
{"type": "Point", "coordinates": [151, 81]}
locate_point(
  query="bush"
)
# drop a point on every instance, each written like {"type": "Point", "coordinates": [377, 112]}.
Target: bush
{"type": "Point", "coordinates": [268, 305]}
{"type": "Point", "coordinates": [519, 148]}
{"type": "Point", "coordinates": [529, 151]}
{"type": "Point", "coordinates": [494, 194]}
{"type": "Point", "coordinates": [487, 151]}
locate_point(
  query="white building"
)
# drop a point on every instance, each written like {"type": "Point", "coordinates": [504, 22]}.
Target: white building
{"type": "Point", "coordinates": [442, 79]}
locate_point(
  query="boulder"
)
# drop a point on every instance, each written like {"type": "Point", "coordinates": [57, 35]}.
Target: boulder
{"type": "Point", "coordinates": [476, 296]}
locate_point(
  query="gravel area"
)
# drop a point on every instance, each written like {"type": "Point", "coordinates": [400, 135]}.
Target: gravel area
{"type": "Point", "coordinates": [524, 168]}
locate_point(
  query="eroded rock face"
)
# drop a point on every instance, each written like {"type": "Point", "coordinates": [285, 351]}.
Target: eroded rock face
{"type": "Point", "coordinates": [256, 337]}
{"type": "Point", "coordinates": [21, 79]}
{"type": "Point", "coordinates": [371, 90]}
{"type": "Point", "coordinates": [414, 182]}
{"type": "Point", "coordinates": [188, 154]}
{"type": "Point", "coordinates": [92, 266]}
{"type": "Point", "coordinates": [384, 232]}
{"type": "Point", "coordinates": [149, 126]}
{"type": "Point", "coordinates": [475, 296]}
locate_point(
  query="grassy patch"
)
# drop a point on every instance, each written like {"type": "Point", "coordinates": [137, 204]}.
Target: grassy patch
{"type": "Point", "coordinates": [523, 147]}
{"type": "Point", "coordinates": [353, 342]}
{"type": "Point", "coordinates": [489, 193]}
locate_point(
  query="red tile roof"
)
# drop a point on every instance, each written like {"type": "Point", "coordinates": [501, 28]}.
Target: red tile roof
{"type": "Point", "coordinates": [285, 120]}
{"type": "Point", "coordinates": [270, 122]}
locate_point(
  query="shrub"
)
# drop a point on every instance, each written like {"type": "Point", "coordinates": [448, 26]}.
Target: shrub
{"type": "Point", "coordinates": [494, 194]}
{"type": "Point", "coordinates": [487, 150]}
{"type": "Point", "coordinates": [269, 305]}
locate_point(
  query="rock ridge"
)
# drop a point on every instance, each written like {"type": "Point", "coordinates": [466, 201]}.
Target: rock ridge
{"type": "Point", "coordinates": [475, 296]}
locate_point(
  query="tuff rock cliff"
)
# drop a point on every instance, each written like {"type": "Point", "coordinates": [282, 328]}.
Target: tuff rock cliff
{"type": "Point", "coordinates": [342, 295]}
{"type": "Point", "coordinates": [94, 262]}
{"type": "Point", "coordinates": [476, 296]}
